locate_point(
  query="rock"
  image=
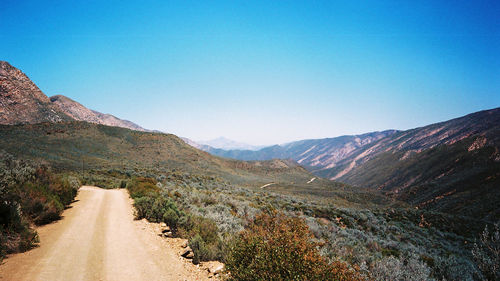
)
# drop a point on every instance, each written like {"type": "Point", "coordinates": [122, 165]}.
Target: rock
{"type": "Point", "coordinates": [184, 244]}
{"type": "Point", "coordinates": [163, 224]}
{"type": "Point", "coordinates": [188, 253]}
{"type": "Point", "coordinates": [168, 234]}
{"type": "Point", "coordinates": [216, 268]}
{"type": "Point", "coordinates": [165, 229]}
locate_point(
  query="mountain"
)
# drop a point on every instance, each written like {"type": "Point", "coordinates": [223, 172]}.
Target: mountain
{"type": "Point", "coordinates": [227, 144]}
{"type": "Point", "coordinates": [81, 113]}
{"type": "Point", "coordinates": [21, 101]}
{"type": "Point", "coordinates": [451, 166]}
{"type": "Point", "coordinates": [314, 154]}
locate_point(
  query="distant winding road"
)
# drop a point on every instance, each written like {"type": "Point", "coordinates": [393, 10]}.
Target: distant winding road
{"type": "Point", "coordinates": [98, 239]}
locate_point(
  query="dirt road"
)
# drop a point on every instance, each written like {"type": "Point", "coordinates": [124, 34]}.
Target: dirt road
{"type": "Point", "coordinates": [97, 239]}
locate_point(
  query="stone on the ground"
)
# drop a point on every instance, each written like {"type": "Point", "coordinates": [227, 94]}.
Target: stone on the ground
{"type": "Point", "coordinates": [184, 244]}
{"type": "Point", "coordinates": [188, 253]}
{"type": "Point", "coordinates": [216, 268]}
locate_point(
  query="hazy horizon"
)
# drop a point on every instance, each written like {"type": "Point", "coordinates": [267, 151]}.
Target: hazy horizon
{"type": "Point", "coordinates": [262, 72]}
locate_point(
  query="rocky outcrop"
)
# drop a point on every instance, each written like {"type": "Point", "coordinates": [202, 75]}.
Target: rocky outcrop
{"type": "Point", "coordinates": [81, 113]}
{"type": "Point", "coordinates": [22, 102]}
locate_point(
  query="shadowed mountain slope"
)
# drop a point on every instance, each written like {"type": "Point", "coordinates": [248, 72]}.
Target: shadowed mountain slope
{"type": "Point", "coordinates": [451, 166]}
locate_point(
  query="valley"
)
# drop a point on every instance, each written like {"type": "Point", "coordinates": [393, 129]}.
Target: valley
{"type": "Point", "coordinates": [452, 166]}
{"type": "Point", "coordinates": [378, 206]}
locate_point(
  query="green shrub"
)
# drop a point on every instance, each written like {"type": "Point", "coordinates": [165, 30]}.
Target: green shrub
{"type": "Point", "coordinates": [143, 207]}
{"type": "Point", "coordinates": [171, 217]}
{"type": "Point", "coordinates": [140, 187]}
{"type": "Point", "coordinates": [204, 251]}
{"type": "Point", "coordinates": [123, 184]}
{"type": "Point", "coordinates": [29, 193]}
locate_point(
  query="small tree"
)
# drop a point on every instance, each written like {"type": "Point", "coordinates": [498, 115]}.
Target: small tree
{"type": "Point", "coordinates": [277, 247]}
{"type": "Point", "coordinates": [486, 253]}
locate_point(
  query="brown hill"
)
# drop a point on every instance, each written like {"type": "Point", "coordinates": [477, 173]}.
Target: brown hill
{"type": "Point", "coordinates": [81, 113]}
{"type": "Point", "coordinates": [21, 101]}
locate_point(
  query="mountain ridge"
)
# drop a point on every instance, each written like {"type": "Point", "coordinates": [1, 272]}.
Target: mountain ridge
{"type": "Point", "coordinates": [313, 153]}
{"type": "Point", "coordinates": [81, 113]}
{"type": "Point", "coordinates": [228, 144]}
{"type": "Point", "coordinates": [22, 102]}
{"type": "Point", "coordinates": [450, 166]}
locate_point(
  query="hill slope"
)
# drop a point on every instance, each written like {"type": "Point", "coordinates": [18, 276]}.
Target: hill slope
{"type": "Point", "coordinates": [21, 101]}
{"type": "Point", "coordinates": [76, 145]}
{"type": "Point", "coordinates": [81, 113]}
{"type": "Point", "coordinates": [452, 166]}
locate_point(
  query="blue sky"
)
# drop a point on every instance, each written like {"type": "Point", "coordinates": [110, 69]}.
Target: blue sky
{"type": "Point", "coordinates": [262, 72]}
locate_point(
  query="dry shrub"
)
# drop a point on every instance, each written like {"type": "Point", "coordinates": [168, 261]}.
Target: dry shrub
{"type": "Point", "coordinates": [277, 247]}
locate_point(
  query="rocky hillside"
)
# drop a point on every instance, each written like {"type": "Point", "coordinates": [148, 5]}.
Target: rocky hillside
{"type": "Point", "coordinates": [484, 124]}
{"type": "Point", "coordinates": [81, 113]}
{"type": "Point", "coordinates": [21, 101]}
{"type": "Point", "coordinates": [314, 154]}
{"type": "Point", "coordinates": [452, 166]}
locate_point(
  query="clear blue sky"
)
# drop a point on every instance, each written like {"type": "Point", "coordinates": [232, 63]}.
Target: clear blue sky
{"type": "Point", "coordinates": [262, 72]}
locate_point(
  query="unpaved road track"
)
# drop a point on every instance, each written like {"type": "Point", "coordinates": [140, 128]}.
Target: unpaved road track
{"type": "Point", "coordinates": [98, 239]}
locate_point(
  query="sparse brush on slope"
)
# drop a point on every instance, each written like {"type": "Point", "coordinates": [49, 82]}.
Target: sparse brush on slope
{"type": "Point", "coordinates": [486, 253]}
{"type": "Point", "coordinates": [156, 206]}
{"type": "Point", "coordinates": [29, 194]}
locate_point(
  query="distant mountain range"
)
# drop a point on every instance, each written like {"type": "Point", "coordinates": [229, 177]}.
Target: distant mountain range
{"type": "Point", "coordinates": [22, 102]}
{"type": "Point", "coordinates": [448, 166]}
{"type": "Point", "coordinates": [227, 144]}
{"type": "Point", "coordinates": [316, 154]}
